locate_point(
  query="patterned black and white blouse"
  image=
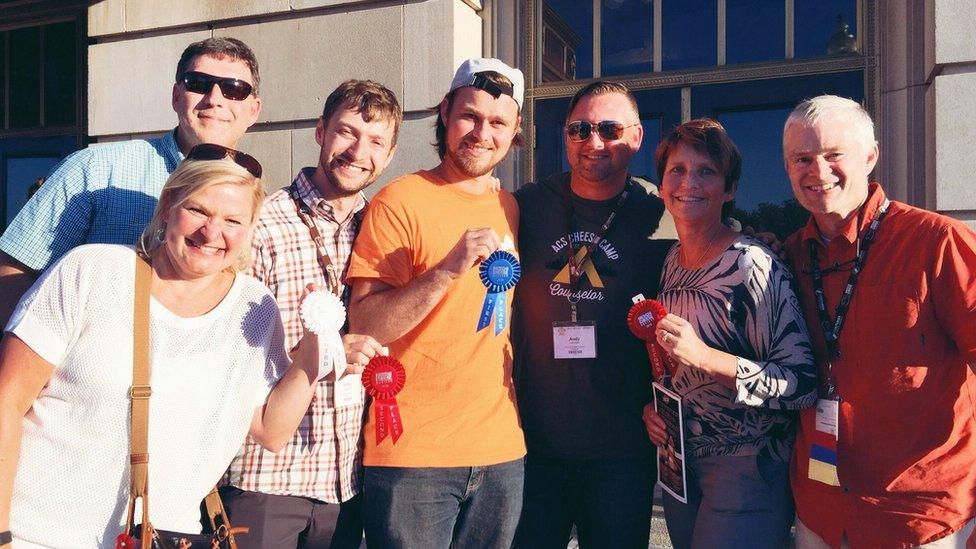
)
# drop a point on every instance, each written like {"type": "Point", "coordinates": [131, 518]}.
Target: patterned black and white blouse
{"type": "Point", "coordinates": [742, 303]}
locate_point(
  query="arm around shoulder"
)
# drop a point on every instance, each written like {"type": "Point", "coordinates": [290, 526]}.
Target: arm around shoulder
{"type": "Point", "coordinates": [15, 279]}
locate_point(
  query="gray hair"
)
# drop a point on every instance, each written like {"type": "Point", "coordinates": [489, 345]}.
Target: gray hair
{"type": "Point", "coordinates": [814, 110]}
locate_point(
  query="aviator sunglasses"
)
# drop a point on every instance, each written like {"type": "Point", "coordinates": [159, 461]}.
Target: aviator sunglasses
{"type": "Point", "coordinates": [232, 88]}
{"type": "Point", "coordinates": [213, 151]}
{"type": "Point", "coordinates": [608, 130]}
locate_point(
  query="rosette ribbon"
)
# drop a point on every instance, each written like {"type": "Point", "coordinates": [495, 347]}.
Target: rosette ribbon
{"type": "Point", "coordinates": [323, 314]}
{"type": "Point", "coordinates": [499, 273]}
{"type": "Point", "coordinates": [383, 378]}
{"type": "Point", "coordinates": [642, 319]}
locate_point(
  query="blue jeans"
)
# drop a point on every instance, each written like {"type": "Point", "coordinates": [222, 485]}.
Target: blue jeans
{"type": "Point", "coordinates": [733, 501]}
{"type": "Point", "coordinates": [609, 501]}
{"type": "Point", "coordinates": [441, 507]}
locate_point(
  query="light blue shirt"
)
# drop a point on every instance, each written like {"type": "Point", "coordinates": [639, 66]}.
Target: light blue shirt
{"type": "Point", "coordinates": [104, 193]}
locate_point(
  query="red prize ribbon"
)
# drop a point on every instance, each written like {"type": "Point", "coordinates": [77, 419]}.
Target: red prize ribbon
{"type": "Point", "coordinates": [383, 378]}
{"type": "Point", "coordinates": [642, 319]}
{"type": "Point", "coordinates": [125, 541]}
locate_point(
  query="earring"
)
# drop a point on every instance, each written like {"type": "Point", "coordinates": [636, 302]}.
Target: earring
{"type": "Point", "coordinates": [159, 235]}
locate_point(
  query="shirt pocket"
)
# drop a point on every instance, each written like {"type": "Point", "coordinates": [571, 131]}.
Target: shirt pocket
{"type": "Point", "coordinates": [890, 326]}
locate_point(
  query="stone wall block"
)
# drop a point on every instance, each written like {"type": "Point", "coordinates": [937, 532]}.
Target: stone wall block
{"type": "Point", "coordinates": [952, 134]}
{"type": "Point", "coordinates": [272, 148]}
{"type": "Point", "coordinates": [130, 83]}
{"type": "Point", "coordinates": [302, 60]}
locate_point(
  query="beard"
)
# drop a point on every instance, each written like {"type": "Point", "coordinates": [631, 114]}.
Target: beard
{"type": "Point", "coordinates": [470, 165]}
{"type": "Point", "coordinates": [344, 184]}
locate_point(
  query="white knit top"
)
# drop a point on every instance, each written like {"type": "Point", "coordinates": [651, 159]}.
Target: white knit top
{"type": "Point", "coordinates": [208, 373]}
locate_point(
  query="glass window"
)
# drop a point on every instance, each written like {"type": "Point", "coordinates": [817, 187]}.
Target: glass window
{"type": "Point", "coordinates": [764, 198]}
{"type": "Point", "coordinates": [689, 34]}
{"type": "Point", "coordinates": [59, 74]}
{"type": "Point", "coordinates": [550, 148]}
{"type": "Point", "coordinates": [626, 37]}
{"type": "Point", "coordinates": [567, 40]}
{"type": "Point", "coordinates": [25, 77]}
{"type": "Point", "coordinates": [754, 30]}
{"type": "Point", "coordinates": [642, 164]}
{"type": "Point", "coordinates": [816, 22]}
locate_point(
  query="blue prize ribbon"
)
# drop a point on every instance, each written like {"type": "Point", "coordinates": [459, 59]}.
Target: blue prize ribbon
{"type": "Point", "coordinates": [499, 273]}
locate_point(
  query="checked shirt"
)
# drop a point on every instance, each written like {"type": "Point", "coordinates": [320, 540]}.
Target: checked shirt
{"type": "Point", "coordinates": [324, 458]}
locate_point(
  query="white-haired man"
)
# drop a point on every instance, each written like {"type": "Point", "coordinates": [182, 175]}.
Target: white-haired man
{"type": "Point", "coordinates": [886, 457]}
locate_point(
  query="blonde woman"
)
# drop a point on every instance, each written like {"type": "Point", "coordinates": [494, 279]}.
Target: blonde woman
{"type": "Point", "coordinates": [218, 367]}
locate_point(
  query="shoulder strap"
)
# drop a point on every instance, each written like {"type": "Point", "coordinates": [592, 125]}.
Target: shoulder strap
{"type": "Point", "coordinates": [139, 394]}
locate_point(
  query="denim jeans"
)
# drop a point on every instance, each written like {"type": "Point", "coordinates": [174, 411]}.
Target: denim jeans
{"type": "Point", "coordinates": [733, 501]}
{"type": "Point", "coordinates": [441, 507]}
{"type": "Point", "coordinates": [609, 501]}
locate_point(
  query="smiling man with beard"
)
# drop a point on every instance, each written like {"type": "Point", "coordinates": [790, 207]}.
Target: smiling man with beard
{"type": "Point", "coordinates": [304, 235]}
{"type": "Point", "coordinates": [454, 475]}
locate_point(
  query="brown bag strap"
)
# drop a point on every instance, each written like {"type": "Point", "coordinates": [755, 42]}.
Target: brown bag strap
{"type": "Point", "coordinates": [139, 394]}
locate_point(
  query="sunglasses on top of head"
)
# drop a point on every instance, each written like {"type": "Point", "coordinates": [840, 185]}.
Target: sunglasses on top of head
{"type": "Point", "coordinates": [608, 130]}
{"type": "Point", "coordinates": [213, 151]}
{"type": "Point", "coordinates": [232, 88]}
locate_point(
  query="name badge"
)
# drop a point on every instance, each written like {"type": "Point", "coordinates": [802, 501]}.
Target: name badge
{"type": "Point", "coordinates": [574, 340]}
{"type": "Point", "coordinates": [827, 414]}
{"type": "Point", "coordinates": [347, 390]}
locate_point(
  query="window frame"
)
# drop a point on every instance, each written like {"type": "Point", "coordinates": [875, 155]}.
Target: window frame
{"type": "Point", "coordinates": [867, 61]}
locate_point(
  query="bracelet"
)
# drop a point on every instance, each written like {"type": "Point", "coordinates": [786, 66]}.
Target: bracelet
{"type": "Point", "coordinates": [6, 537]}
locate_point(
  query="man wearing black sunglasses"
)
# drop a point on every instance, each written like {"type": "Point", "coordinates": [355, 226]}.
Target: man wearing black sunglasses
{"type": "Point", "coordinates": [581, 378]}
{"type": "Point", "coordinates": [108, 193]}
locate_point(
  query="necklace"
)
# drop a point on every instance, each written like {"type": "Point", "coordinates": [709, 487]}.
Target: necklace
{"type": "Point", "coordinates": [697, 263]}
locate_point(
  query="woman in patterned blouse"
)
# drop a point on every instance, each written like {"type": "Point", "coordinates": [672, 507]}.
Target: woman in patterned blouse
{"type": "Point", "coordinates": [738, 350]}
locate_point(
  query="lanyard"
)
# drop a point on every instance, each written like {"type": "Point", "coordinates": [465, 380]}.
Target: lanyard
{"type": "Point", "coordinates": [322, 252]}
{"type": "Point", "coordinates": [831, 330]}
{"type": "Point", "coordinates": [576, 259]}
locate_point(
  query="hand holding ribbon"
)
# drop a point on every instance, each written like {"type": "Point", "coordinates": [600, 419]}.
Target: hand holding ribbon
{"type": "Point", "coordinates": [499, 273]}
{"type": "Point", "coordinates": [323, 315]}
{"type": "Point", "coordinates": [642, 319]}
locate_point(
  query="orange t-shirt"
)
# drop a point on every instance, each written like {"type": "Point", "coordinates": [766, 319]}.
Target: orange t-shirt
{"type": "Point", "coordinates": [458, 403]}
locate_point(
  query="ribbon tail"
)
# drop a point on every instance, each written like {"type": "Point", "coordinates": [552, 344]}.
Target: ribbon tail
{"type": "Point", "coordinates": [486, 311]}
{"type": "Point", "coordinates": [657, 361]}
{"type": "Point", "coordinates": [396, 423]}
{"type": "Point", "coordinates": [382, 421]}
{"type": "Point", "coordinates": [501, 313]}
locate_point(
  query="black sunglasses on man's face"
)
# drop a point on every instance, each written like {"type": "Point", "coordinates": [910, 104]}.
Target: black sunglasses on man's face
{"type": "Point", "coordinates": [232, 88]}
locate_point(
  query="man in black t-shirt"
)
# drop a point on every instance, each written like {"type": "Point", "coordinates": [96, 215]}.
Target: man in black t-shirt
{"type": "Point", "coordinates": [581, 378]}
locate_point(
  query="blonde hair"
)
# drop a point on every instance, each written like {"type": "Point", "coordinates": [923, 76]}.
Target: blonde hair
{"type": "Point", "coordinates": [812, 111]}
{"type": "Point", "coordinates": [190, 178]}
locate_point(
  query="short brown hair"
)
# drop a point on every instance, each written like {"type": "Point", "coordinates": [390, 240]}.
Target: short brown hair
{"type": "Point", "coordinates": [440, 127]}
{"type": "Point", "coordinates": [371, 99]}
{"type": "Point", "coordinates": [219, 48]}
{"type": "Point", "coordinates": [706, 136]}
{"type": "Point", "coordinates": [601, 87]}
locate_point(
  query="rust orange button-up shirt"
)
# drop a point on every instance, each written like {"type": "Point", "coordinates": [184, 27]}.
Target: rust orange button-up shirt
{"type": "Point", "coordinates": [907, 426]}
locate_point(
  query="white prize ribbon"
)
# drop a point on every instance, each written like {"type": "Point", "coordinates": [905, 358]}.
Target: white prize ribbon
{"type": "Point", "coordinates": [323, 314]}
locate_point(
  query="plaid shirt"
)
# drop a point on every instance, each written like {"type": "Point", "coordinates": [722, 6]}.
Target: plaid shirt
{"type": "Point", "coordinates": [106, 193]}
{"type": "Point", "coordinates": [324, 459]}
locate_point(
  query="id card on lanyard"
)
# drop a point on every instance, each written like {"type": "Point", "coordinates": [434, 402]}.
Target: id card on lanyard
{"type": "Point", "coordinates": [823, 442]}
{"type": "Point", "coordinates": [576, 338]}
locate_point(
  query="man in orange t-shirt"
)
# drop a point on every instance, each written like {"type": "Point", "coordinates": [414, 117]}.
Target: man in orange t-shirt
{"type": "Point", "coordinates": [454, 476]}
{"type": "Point", "coordinates": [886, 458]}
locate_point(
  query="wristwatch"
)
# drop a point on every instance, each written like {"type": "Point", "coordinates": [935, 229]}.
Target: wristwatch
{"type": "Point", "coordinates": [6, 537]}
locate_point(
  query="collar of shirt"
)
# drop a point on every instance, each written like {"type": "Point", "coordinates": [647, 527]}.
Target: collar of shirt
{"type": "Point", "coordinates": [311, 196]}
{"type": "Point", "coordinates": [876, 197]}
{"type": "Point", "coordinates": [171, 150]}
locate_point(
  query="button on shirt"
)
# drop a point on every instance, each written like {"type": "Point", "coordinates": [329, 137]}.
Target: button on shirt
{"type": "Point", "coordinates": [324, 457]}
{"type": "Point", "coordinates": [104, 193]}
{"type": "Point", "coordinates": [907, 425]}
